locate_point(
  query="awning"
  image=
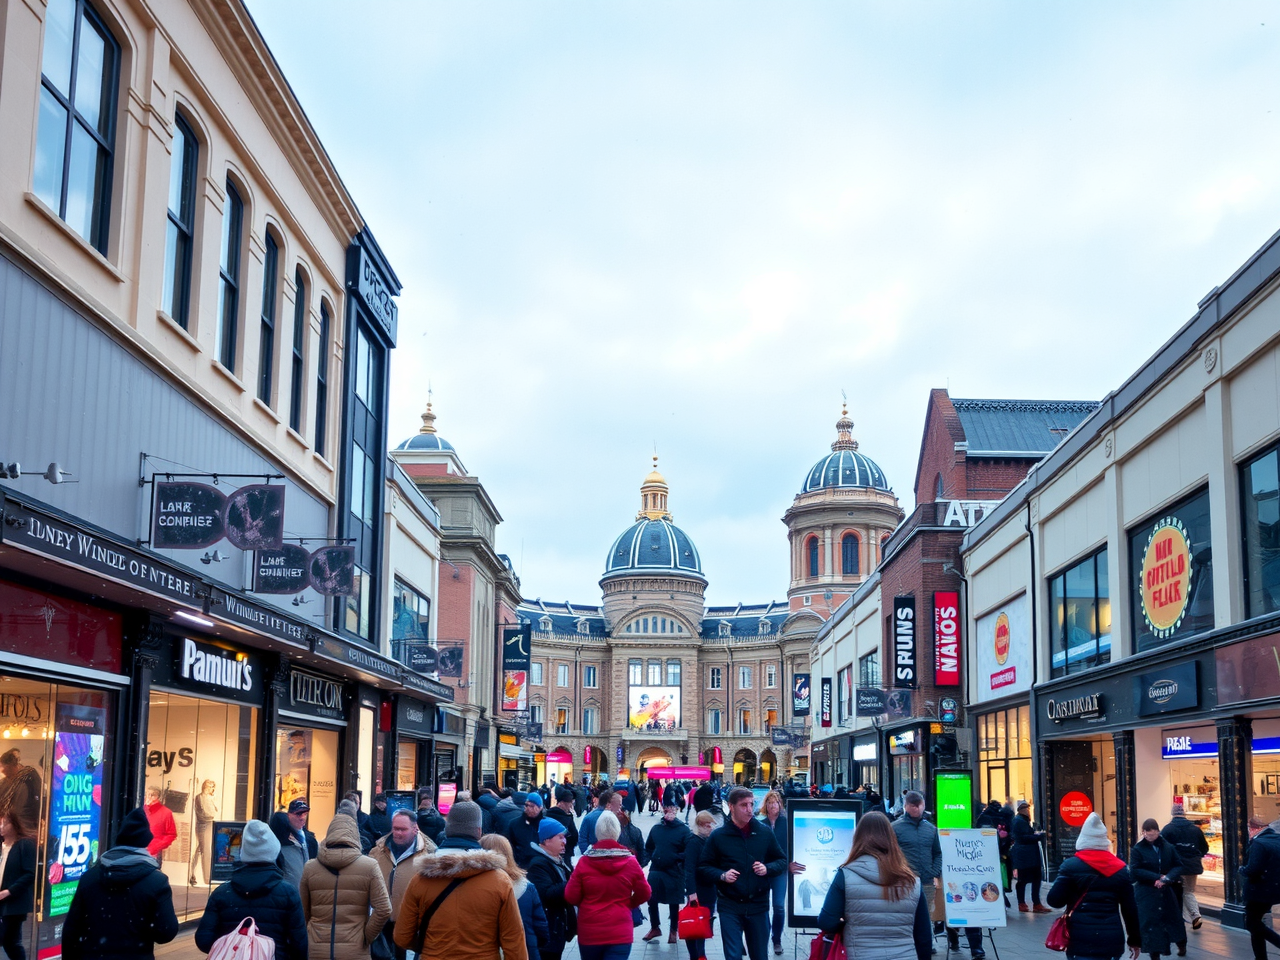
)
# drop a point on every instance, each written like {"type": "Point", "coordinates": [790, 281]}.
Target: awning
{"type": "Point", "coordinates": [559, 756]}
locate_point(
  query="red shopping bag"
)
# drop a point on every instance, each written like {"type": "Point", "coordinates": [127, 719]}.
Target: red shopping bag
{"type": "Point", "coordinates": [695, 923]}
{"type": "Point", "coordinates": [827, 948]}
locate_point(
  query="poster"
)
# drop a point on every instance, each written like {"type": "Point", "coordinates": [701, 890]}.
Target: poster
{"type": "Point", "coordinates": [75, 801]}
{"type": "Point", "coordinates": [447, 795]}
{"type": "Point", "coordinates": [972, 887]}
{"type": "Point", "coordinates": [820, 837]}
{"type": "Point", "coordinates": [653, 708]}
{"type": "Point", "coordinates": [1002, 641]}
{"type": "Point", "coordinates": [800, 695]}
{"type": "Point", "coordinates": [946, 638]}
{"type": "Point", "coordinates": [227, 835]}
{"type": "Point", "coordinates": [516, 653]}
{"type": "Point", "coordinates": [825, 703]}
{"type": "Point", "coordinates": [293, 766]}
{"type": "Point", "coordinates": [904, 642]}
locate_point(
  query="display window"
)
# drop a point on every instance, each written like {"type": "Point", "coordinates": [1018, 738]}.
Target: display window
{"type": "Point", "coordinates": [407, 765]}
{"type": "Point", "coordinates": [307, 768]}
{"type": "Point", "coordinates": [1004, 755]}
{"type": "Point", "coordinates": [1084, 782]}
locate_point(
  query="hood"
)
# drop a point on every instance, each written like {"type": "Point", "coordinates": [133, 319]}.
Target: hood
{"type": "Point", "coordinates": [253, 880]}
{"type": "Point", "coordinates": [506, 803]}
{"type": "Point", "coordinates": [421, 842]}
{"type": "Point", "coordinates": [452, 862]}
{"type": "Point", "coordinates": [487, 801]}
{"type": "Point", "coordinates": [868, 868]}
{"type": "Point", "coordinates": [279, 824]}
{"type": "Point", "coordinates": [341, 845]}
{"type": "Point", "coordinates": [609, 856]}
{"type": "Point", "coordinates": [125, 866]}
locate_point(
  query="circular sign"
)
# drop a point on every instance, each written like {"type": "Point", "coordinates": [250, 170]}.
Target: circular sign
{"type": "Point", "coordinates": [1075, 808]}
{"type": "Point", "coordinates": [1002, 638]}
{"type": "Point", "coordinates": [1166, 577]}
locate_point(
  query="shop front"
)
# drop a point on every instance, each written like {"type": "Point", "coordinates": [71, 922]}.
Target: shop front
{"type": "Point", "coordinates": [516, 766]}
{"type": "Point", "coordinates": [311, 727]}
{"type": "Point", "coordinates": [820, 758]}
{"type": "Point", "coordinates": [866, 760]}
{"type": "Point", "coordinates": [907, 749]}
{"type": "Point", "coordinates": [450, 747]}
{"type": "Point", "coordinates": [415, 725]}
{"type": "Point", "coordinates": [558, 767]}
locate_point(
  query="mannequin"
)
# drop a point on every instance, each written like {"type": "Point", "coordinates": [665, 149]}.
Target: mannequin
{"type": "Point", "coordinates": [206, 811]}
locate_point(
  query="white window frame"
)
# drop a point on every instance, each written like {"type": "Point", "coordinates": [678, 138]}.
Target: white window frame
{"type": "Point", "coordinates": [715, 679]}
{"type": "Point", "coordinates": [770, 675]}
{"type": "Point", "coordinates": [562, 675]}
{"type": "Point", "coordinates": [744, 728]}
{"type": "Point", "coordinates": [590, 721]}
{"type": "Point", "coordinates": [715, 721]}
{"type": "Point", "coordinates": [590, 676]}
{"type": "Point", "coordinates": [535, 674]}
{"type": "Point", "coordinates": [744, 677]}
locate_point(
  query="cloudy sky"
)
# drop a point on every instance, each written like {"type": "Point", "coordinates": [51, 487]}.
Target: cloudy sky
{"type": "Point", "coordinates": [693, 224]}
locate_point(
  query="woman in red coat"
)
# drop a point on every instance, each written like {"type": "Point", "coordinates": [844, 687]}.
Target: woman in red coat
{"type": "Point", "coordinates": [605, 886]}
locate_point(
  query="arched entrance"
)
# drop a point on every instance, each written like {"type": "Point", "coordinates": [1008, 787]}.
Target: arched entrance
{"type": "Point", "coordinates": [744, 766]}
{"type": "Point", "coordinates": [653, 757]}
{"type": "Point", "coordinates": [559, 765]}
{"type": "Point", "coordinates": [595, 761]}
{"type": "Point", "coordinates": [768, 766]}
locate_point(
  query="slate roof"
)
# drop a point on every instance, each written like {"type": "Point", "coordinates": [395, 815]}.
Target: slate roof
{"type": "Point", "coordinates": [1019, 428]}
{"type": "Point", "coordinates": [744, 619]}
{"type": "Point", "coordinates": [564, 617]}
{"type": "Point", "coordinates": [650, 547]}
{"type": "Point", "coordinates": [842, 469]}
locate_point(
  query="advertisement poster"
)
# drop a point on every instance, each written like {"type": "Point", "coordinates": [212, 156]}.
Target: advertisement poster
{"type": "Point", "coordinates": [653, 708]}
{"type": "Point", "coordinates": [75, 800]}
{"type": "Point", "coordinates": [227, 835]}
{"type": "Point", "coordinates": [800, 695]}
{"type": "Point", "coordinates": [401, 800]}
{"type": "Point", "coordinates": [448, 793]}
{"type": "Point", "coordinates": [821, 836]}
{"type": "Point", "coordinates": [946, 639]}
{"type": "Point", "coordinates": [954, 792]}
{"type": "Point", "coordinates": [293, 766]}
{"type": "Point", "coordinates": [825, 705]}
{"type": "Point", "coordinates": [516, 652]}
{"type": "Point", "coordinates": [972, 890]}
{"type": "Point", "coordinates": [904, 642]}
{"type": "Point", "coordinates": [1003, 644]}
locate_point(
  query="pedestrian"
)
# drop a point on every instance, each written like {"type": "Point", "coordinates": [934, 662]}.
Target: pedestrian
{"type": "Point", "coordinates": [257, 889]}
{"type": "Point", "coordinates": [1155, 867]}
{"type": "Point", "coordinates": [343, 897]}
{"type": "Point", "coordinates": [1261, 875]}
{"type": "Point", "coordinates": [429, 820]}
{"type": "Point", "coordinates": [522, 831]}
{"type": "Point", "coordinates": [1024, 855]}
{"type": "Point", "coordinates": [699, 892]}
{"type": "Point", "coordinates": [160, 818]}
{"type": "Point", "coordinates": [562, 813]}
{"type": "Point", "coordinates": [123, 905]}
{"type": "Point", "coordinates": [742, 858]}
{"type": "Point", "coordinates": [665, 846]}
{"type": "Point", "coordinates": [606, 886]}
{"type": "Point", "coordinates": [991, 819]}
{"type": "Point", "coordinates": [475, 909]}
{"type": "Point", "coordinates": [293, 855]}
{"type": "Point", "coordinates": [400, 856]}
{"type": "Point", "coordinates": [771, 813]}
{"type": "Point", "coordinates": [379, 822]}
{"type": "Point", "coordinates": [533, 917]}
{"type": "Point", "coordinates": [875, 901]}
{"type": "Point", "coordinates": [550, 871]}
{"type": "Point", "coordinates": [17, 882]}
{"type": "Point", "coordinates": [20, 789]}
{"type": "Point", "coordinates": [1190, 843]}
{"type": "Point", "coordinates": [1098, 888]}
{"type": "Point", "coordinates": [506, 810]}
{"type": "Point", "coordinates": [631, 837]}
{"type": "Point", "coordinates": [205, 808]}
{"type": "Point", "coordinates": [298, 812]}
{"type": "Point", "coordinates": [607, 800]}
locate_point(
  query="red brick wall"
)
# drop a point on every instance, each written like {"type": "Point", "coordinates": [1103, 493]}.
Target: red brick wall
{"type": "Point", "coordinates": [938, 455]}
{"type": "Point", "coordinates": [992, 479]}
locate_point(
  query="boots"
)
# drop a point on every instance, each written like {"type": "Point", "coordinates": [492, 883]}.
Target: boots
{"type": "Point", "coordinates": [653, 933]}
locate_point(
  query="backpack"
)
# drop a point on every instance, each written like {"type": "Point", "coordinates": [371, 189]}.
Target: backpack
{"type": "Point", "coordinates": [243, 944]}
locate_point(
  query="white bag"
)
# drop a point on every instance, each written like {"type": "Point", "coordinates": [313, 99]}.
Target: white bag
{"type": "Point", "coordinates": [243, 943]}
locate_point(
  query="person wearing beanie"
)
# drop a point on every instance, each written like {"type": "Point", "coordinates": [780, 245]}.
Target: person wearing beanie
{"type": "Point", "coordinates": [476, 910]}
{"type": "Point", "coordinates": [400, 856]}
{"type": "Point", "coordinates": [522, 831]}
{"type": "Point", "coordinates": [257, 889]}
{"type": "Point", "coordinates": [1156, 867]}
{"type": "Point", "coordinates": [549, 871]}
{"type": "Point", "coordinates": [562, 813]}
{"type": "Point", "coordinates": [125, 882]}
{"type": "Point", "coordinates": [665, 846]}
{"type": "Point", "coordinates": [1189, 840]}
{"type": "Point", "coordinates": [344, 900]}
{"type": "Point", "coordinates": [1098, 885]}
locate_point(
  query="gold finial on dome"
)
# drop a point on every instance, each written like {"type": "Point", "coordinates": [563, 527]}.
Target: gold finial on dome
{"type": "Point", "coordinates": [428, 418]}
{"type": "Point", "coordinates": [653, 496]}
{"type": "Point", "coordinates": [844, 428]}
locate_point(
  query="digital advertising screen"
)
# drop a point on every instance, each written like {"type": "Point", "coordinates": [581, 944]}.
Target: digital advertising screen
{"type": "Point", "coordinates": [821, 836]}
{"type": "Point", "coordinates": [653, 708]}
{"type": "Point", "coordinates": [954, 792]}
{"type": "Point", "coordinates": [75, 803]}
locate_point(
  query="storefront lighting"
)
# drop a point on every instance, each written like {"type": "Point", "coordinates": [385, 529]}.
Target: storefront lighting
{"type": "Point", "coordinates": [193, 618]}
{"type": "Point", "coordinates": [7, 733]}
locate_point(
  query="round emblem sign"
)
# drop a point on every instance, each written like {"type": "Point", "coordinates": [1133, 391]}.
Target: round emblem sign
{"type": "Point", "coordinates": [1166, 577]}
{"type": "Point", "coordinates": [1002, 638]}
{"type": "Point", "coordinates": [1075, 808]}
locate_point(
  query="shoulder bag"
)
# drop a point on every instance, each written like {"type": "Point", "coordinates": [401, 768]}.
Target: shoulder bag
{"type": "Point", "coordinates": [421, 939]}
{"type": "Point", "coordinates": [1059, 937]}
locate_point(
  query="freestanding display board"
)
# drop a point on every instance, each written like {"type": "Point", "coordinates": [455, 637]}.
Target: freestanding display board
{"type": "Point", "coordinates": [972, 887]}
{"type": "Point", "coordinates": [819, 835]}
{"type": "Point", "coordinates": [953, 790]}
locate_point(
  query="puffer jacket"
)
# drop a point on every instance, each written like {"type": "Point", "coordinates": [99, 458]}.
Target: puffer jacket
{"type": "Point", "coordinates": [666, 845]}
{"type": "Point", "coordinates": [1261, 870]}
{"type": "Point", "coordinates": [875, 928]}
{"type": "Point", "coordinates": [551, 877]}
{"type": "Point", "coordinates": [122, 908]}
{"type": "Point", "coordinates": [397, 874]}
{"type": "Point", "coordinates": [605, 886]}
{"type": "Point", "coordinates": [260, 891]}
{"type": "Point", "coordinates": [343, 896]}
{"type": "Point", "coordinates": [480, 916]}
{"type": "Point", "coordinates": [1104, 883]}
{"type": "Point", "coordinates": [1189, 842]}
{"type": "Point", "coordinates": [920, 845]}
{"type": "Point", "coordinates": [532, 916]}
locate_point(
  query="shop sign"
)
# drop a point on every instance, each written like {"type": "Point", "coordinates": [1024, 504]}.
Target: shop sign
{"type": "Point", "coordinates": [59, 629]}
{"type": "Point", "coordinates": [1172, 688]}
{"type": "Point", "coordinates": [360, 657]}
{"type": "Point", "coordinates": [1166, 577]}
{"type": "Point", "coordinates": [191, 516]}
{"type": "Point", "coordinates": [946, 638]}
{"type": "Point", "coordinates": [421, 684]}
{"type": "Point", "coordinates": [898, 705]}
{"type": "Point", "coordinates": [1087, 707]}
{"type": "Point", "coordinates": [904, 642]}
{"type": "Point", "coordinates": [818, 751]}
{"type": "Point", "coordinates": [903, 743]}
{"type": "Point", "coordinates": [825, 705]}
{"type": "Point", "coordinates": [1003, 644]}
{"type": "Point", "coordinates": [318, 696]}
{"type": "Point", "coordinates": [75, 800]}
{"type": "Point", "coordinates": [330, 570]}
{"type": "Point", "coordinates": [800, 695]}
{"type": "Point", "coordinates": [780, 737]}
{"type": "Point", "coordinates": [263, 619]}
{"type": "Point", "coordinates": [1075, 808]}
{"type": "Point", "coordinates": [423, 656]}
{"type": "Point", "coordinates": [586, 756]}
{"type": "Point", "coordinates": [621, 754]}
{"type": "Point", "coordinates": [375, 294]}
{"type": "Point", "coordinates": [414, 716]}
{"type": "Point", "coordinates": [517, 648]}
{"type": "Point", "coordinates": [864, 752]}
{"type": "Point", "coordinates": [965, 513]}
{"type": "Point", "coordinates": [212, 670]}
{"type": "Point", "coordinates": [1249, 670]}
{"type": "Point", "coordinates": [947, 708]}
{"type": "Point", "coordinates": [870, 702]}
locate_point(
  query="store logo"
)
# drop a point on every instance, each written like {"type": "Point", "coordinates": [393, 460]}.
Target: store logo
{"type": "Point", "coordinates": [1166, 577]}
{"type": "Point", "coordinates": [1090, 705]}
{"type": "Point", "coordinates": [1002, 639]}
{"type": "Point", "coordinates": [316, 691]}
{"type": "Point", "coordinates": [211, 665]}
{"type": "Point", "coordinates": [825, 834]}
{"type": "Point", "coordinates": [1162, 691]}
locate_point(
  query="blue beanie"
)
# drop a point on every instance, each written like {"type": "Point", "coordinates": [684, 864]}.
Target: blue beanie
{"type": "Point", "coordinates": [548, 828]}
{"type": "Point", "coordinates": [534, 797]}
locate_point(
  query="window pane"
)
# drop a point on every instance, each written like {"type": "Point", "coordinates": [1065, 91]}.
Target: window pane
{"type": "Point", "coordinates": [177, 164]}
{"type": "Point", "coordinates": [362, 368]}
{"type": "Point", "coordinates": [59, 24]}
{"type": "Point", "coordinates": [85, 184]}
{"type": "Point", "coordinates": [175, 258]}
{"type": "Point", "coordinates": [93, 87]}
{"type": "Point", "coordinates": [1262, 534]}
{"type": "Point", "coordinates": [51, 146]}
{"type": "Point", "coordinates": [357, 481]}
{"type": "Point", "coordinates": [370, 492]}
{"type": "Point", "coordinates": [1104, 608]}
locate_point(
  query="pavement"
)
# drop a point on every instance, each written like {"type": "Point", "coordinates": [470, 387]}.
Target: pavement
{"type": "Point", "coordinates": [1023, 936]}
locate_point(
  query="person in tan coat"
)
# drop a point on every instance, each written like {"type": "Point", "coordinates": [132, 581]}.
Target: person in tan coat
{"type": "Point", "coordinates": [344, 898]}
{"type": "Point", "coordinates": [400, 855]}
{"type": "Point", "coordinates": [480, 914]}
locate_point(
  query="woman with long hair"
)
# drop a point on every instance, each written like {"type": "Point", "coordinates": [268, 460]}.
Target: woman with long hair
{"type": "Point", "coordinates": [17, 882]}
{"type": "Point", "coordinates": [874, 900]}
{"type": "Point", "coordinates": [771, 813]}
{"type": "Point", "coordinates": [536, 934]}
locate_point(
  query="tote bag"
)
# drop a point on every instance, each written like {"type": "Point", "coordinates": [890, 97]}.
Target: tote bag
{"type": "Point", "coordinates": [694, 923]}
{"type": "Point", "coordinates": [243, 944]}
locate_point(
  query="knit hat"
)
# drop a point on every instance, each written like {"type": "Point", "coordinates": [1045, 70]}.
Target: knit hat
{"type": "Point", "coordinates": [548, 828]}
{"type": "Point", "coordinates": [258, 844]}
{"type": "Point", "coordinates": [563, 794]}
{"type": "Point", "coordinates": [1093, 835]}
{"type": "Point", "coordinates": [299, 805]}
{"type": "Point", "coordinates": [135, 829]}
{"type": "Point", "coordinates": [1177, 810]}
{"type": "Point", "coordinates": [463, 821]}
{"type": "Point", "coordinates": [535, 798]}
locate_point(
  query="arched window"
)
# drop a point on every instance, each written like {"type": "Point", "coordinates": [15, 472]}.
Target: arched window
{"type": "Point", "coordinates": [813, 556]}
{"type": "Point", "coordinates": [849, 555]}
{"type": "Point", "coordinates": [176, 299]}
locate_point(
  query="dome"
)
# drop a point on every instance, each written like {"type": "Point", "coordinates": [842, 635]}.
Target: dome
{"type": "Point", "coordinates": [845, 468]}
{"type": "Point", "coordinates": [427, 439]}
{"type": "Point", "coordinates": [653, 547]}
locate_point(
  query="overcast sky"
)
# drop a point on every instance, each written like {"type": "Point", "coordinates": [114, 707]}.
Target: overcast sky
{"type": "Point", "coordinates": [622, 224]}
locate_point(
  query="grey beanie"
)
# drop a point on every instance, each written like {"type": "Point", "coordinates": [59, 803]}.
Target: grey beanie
{"type": "Point", "coordinates": [258, 844]}
{"type": "Point", "coordinates": [1177, 810]}
{"type": "Point", "coordinates": [463, 821]}
{"type": "Point", "coordinates": [1093, 835]}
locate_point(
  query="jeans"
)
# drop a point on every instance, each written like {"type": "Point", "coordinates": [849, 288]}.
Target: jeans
{"type": "Point", "coordinates": [603, 951]}
{"type": "Point", "coordinates": [655, 914]}
{"type": "Point", "coordinates": [1190, 905]}
{"type": "Point", "coordinates": [12, 937]}
{"type": "Point", "coordinates": [754, 926]}
{"type": "Point", "coordinates": [1259, 933]}
{"type": "Point", "coordinates": [778, 891]}
{"type": "Point", "coordinates": [1022, 891]}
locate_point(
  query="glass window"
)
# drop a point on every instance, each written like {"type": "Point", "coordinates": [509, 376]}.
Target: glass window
{"type": "Point", "coordinates": [844, 694]}
{"type": "Point", "coordinates": [229, 278]}
{"type": "Point", "coordinates": [869, 669]}
{"type": "Point", "coordinates": [267, 338]}
{"type": "Point", "coordinates": [1171, 572]}
{"type": "Point", "coordinates": [562, 674]}
{"type": "Point", "coordinates": [744, 678]}
{"type": "Point", "coordinates": [673, 673]}
{"type": "Point", "coordinates": [849, 555]}
{"type": "Point", "coordinates": [655, 673]}
{"type": "Point", "coordinates": [1004, 755]}
{"type": "Point", "coordinates": [75, 136]}
{"type": "Point", "coordinates": [535, 711]}
{"type": "Point", "coordinates": [813, 556]}
{"type": "Point", "coordinates": [1080, 616]}
{"type": "Point", "coordinates": [1261, 500]}
{"type": "Point", "coordinates": [357, 618]}
{"type": "Point", "coordinates": [176, 300]}
{"type": "Point", "coordinates": [771, 675]}
{"type": "Point", "coordinates": [635, 672]}
{"type": "Point", "coordinates": [744, 721]}
{"type": "Point", "coordinates": [562, 720]}
{"type": "Point", "coordinates": [299, 345]}
{"type": "Point", "coordinates": [589, 676]}
{"type": "Point", "coordinates": [770, 720]}
{"type": "Point", "coordinates": [365, 371]}
{"type": "Point", "coordinates": [363, 485]}
{"type": "Point", "coordinates": [714, 721]}
{"type": "Point", "coordinates": [535, 674]}
{"type": "Point", "coordinates": [714, 679]}
{"type": "Point", "coordinates": [410, 621]}
{"type": "Point", "coordinates": [590, 720]}
{"type": "Point", "coordinates": [322, 378]}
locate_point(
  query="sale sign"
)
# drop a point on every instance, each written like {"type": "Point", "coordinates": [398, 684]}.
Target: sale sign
{"type": "Point", "coordinates": [946, 638]}
{"type": "Point", "coordinates": [75, 801]}
{"type": "Point", "coordinates": [1075, 808]}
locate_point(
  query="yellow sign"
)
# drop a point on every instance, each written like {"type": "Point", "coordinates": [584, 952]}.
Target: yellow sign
{"type": "Point", "coordinates": [1002, 639]}
{"type": "Point", "coordinates": [509, 738]}
{"type": "Point", "coordinates": [1166, 577]}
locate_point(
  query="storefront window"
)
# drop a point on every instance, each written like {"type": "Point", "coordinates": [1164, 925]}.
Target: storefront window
{"type": "Point", "coordinates": [307, 767]}
{"type": "Point", "coordinates": [1085, 767]}
{"type": "Point", "coordinates": [844, 688]}
{"type": "Point", "coordinates": [407, 765]}
{"type": "Point", "coordinates": [1080, 616]}
{"type": "Point", "coordinates": [1261, 499]}
{"type": "Point", "coordinates": [1171, 572]}
{"type": "Point", "coordinates": [1004, 755]}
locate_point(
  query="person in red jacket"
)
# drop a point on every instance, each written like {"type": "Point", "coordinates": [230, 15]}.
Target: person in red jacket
{"type": "Point", "coordinates": [163, 829]}
{"type": "Point", "coordinates": [605, 886]}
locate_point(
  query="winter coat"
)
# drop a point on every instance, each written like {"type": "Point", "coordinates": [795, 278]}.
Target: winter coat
{"type": "Point", "coordinates": [571, 831]}
{"type": "Point", "coordinates": [727, 849]}
{"type": "Point", "coordinates": [532, 917]}
{"type": "Point", "coordinates": [397, 874]}
{"type": "Point", "coordinates": [992, 819]}
{"type": "Point", "coordinates": [1096, 925]}
{"type": "Point", "coordinates": [122, 908]}
{"type": "Point", "coordinates": [628, 791]}
{"type": "Point", "coordinates": [338, 889]}
{"type": "Point", "coordinates": [1189, 842]}
{"type": "Point", "coordinates": [1159, 910]}
{"type": "Point", "coordinates": [19, 879]}
{"type": "Point", "coordinates": [257, 890]}
{"type": "Point", "coordinates": [587, 832]}
{"type": "Point", "coordinates": [504, 812]}
{"type": "Point", "coordinates": [551, 877]}
{"type": "Point", "coordinates": [377, 825]}
{"type": "Point", "coordinates": [163, 829]}
{"type": "Point", "coordinates": [668, 840]}
{"type": "Point", "coordinates": [921, 846]}
{"type": "Point", "coordinates": [705, 892]}
{"type": "Point", "coordinates": [1261, 870]}
{"type": "Point", "coordinates": [1024, 854]}
{"type": "Point", "coordinates": [523, 834]}
{"type": "Point", "coordinates": [431, 823]}
{"type": "Point", "coordinates": [605, 886]}
{"type": "Point", "coordinates": [579, 799]}
{"type": "Point", "coordinates": [704, 798]}
{"type": "Point", "coordinates": [293, 856]}
{"type": "Point", "coordinates": [780, 831]}
{"type": "Point", "coordinates": [481, 915]}
{"type": "Point", "coordinates": [631, 838]}
{"type": "Point", "coordinates": [875, 928]}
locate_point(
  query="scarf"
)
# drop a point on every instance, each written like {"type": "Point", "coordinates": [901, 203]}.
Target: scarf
{"type": "Point", "coordinates": [1104, 861]}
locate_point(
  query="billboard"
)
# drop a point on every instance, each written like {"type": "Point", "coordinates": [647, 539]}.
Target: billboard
{"type": "Point", "coordinates": [517, 648]}
{"type": "Point", "coordinates": [1003, 644]}
{"type": "Point", "coordinates": [946, 638]}
{"type": "Point", "coordinates": [800, 695]}
{"type": "Point", "coordinates": [653, 708]}
{"type": "Point", "coordinates": [904, 642]}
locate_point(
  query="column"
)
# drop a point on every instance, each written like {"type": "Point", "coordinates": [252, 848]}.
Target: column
{"type": "Point", "coordinates": [274, 693]}
{"type": "Point", "coordinates": [1043, 793]}
{"type": "Point", "coordinates": [1235, 777]}
{"type": "Point", "coordinates": [1126, 798]}
{"type": "Point", "coordinates": [148, 646]}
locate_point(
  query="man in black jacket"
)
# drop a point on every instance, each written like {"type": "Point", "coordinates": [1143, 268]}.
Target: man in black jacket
{"type": "Point", "coordinates": [741, 858]}
{"type": "Point", "coordinates": [562, 813]}
{"type": "Point", "coordinates": [523, 830]}
{"type": "Point", "coordinates": [1188, 840]}
{"type": "Point", "coordinates": [1261, 874]}
{"type": "Point", "coordinates": [429, 820]}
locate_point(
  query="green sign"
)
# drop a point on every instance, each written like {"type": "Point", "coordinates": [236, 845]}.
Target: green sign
{"type": "Point", "coordinates": [954, 792]}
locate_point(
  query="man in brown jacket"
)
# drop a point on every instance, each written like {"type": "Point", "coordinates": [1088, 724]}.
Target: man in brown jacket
{"type": "Point", "coordinates": [400, 855]}
{"type": "Point", "coordinates": [479, 914]}
{"type": "Point", "coordinates": [344, 898]}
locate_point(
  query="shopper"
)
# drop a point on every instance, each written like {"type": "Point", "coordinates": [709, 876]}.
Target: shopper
{"type": "Point", "coordinates": [20, 788]}
{"type": "Point", "coordinates": [549, 871]}
{"type": "Point", "coordinates": [532, 916]}
{"type": "Point", "coordinates": [293, 855]}
{"type": "Point", "coordinates": [923, 850]}
{"type": "Point", "coordinates": [1024, 855]}
{"type": "Point", "coordinates": [1190, 843]}
{"type": "Point", "coordinates": [378, 823]}
{"type": "Point", "coordinates": [699, 892]}
{"type": "Point", "coordinates": [665, 846]}
{"type": "Point", "coordinates": [1156, 867]}
{"type": "Point", "coordinates": [631, 837]}
{"type": "Point", "coordinates": [1097, 884]}
{"type": "Point", "coordinates": [522, 831]}
{"type": "Point", "coordinates": [400, 856]}
{"type": "Point", "coordinates": [771, 813]}
{"type": "Point", "coordinates": [17, 882]}
{"type": "Point", "coordinates": [1261, 874]}
{"type": "Point", "coordinates": [429, 820]}
{"type": "Point", "coordinates": [343, 896]}
{"type": "Point", "coordinates": [257, 889]}
{"type": "Point", "coordinates": [875, 899]}
{"type": "Point", "coordinates": [562, 812]}
{"type": "Point", "coordinates": [606, 885]}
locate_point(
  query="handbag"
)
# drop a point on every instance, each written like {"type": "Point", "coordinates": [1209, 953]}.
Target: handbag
{"type": "Point", "coordinates": [827, 948]}
{"type": "Point", "coordinates": [694, 922]}
{"type": "Point", "coordinates": [243, 944]}
{"type": "Point", "coordinates": [1059, 937]}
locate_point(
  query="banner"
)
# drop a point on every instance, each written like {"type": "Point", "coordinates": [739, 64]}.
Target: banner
{"type": "Point", "coordinates": [800, 695]}
{"type": "Point", "coordinates": [653, 708]}
{"type": "Point", "coordinates": [75, 801]}
{"type": "Point", "coordinates": [904, 642]}
{"type": "Point", "coordinates": [825, 706]}
{"type": "Point", "coordinates": [946, 639]}
{"type": "Point", "coordinates": [972, 888]}
{"type": "Point", "coordinates": [871, 702]}
{"type": "Point", "coordinates": [820, 835]}
{"type": "Point", "coordinates": [516, 654]}
{"type": "Point", "coordinates": [192, 516]}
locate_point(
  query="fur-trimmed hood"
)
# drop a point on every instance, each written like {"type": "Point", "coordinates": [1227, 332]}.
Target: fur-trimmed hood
{"type": "Point", "coordinates": [450, 862]}
{"type": "Point", "coordinates": [609, 848]}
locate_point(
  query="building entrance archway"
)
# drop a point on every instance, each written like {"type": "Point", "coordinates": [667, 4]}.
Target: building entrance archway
{"type": "Point", "coordinates": [653, 757]}
{"type": "Point", "coordinates": [768, 766]}
{"type": "Point", "coordinates": [744, 766]}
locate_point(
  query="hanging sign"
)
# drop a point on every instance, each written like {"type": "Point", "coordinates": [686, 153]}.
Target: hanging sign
{"type": "Point", "coordinates": [946, 638]}
{"type": "Point", "coordinates": [871, 702]}
{"type": "Point", "coordinates": [800, 695]}
{"type": "Point", "coordinates": [904, 642]}
{"type": "Point", "coordinates": [517, 648]}
{"type": "Point", "coordinates": [972, 886]}
{"type": "Point", "coordinates": [826, 701]}
{"type": "Point", "coordinates": [333, 571]}
{"type": "Point", "coordinates": [586, 756]}
{"type": "Point", "coordinates": [191, 516]}
{"type": "Point", "coordinates": [291, 569]}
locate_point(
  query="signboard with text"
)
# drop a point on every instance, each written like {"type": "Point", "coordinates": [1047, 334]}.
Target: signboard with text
{"type": "Point", "coordinates": [800, 695]}
{"type": "Point", "coordinates": [946, 638]}
{"type": "Point", "coordinates": [972, 886]}
{"type": "Point", "coordinates": [904, 642]}
{"type": "Point", "coordinates": [1003, 644]}
{"type": "Point", "coordinates": [516, 656]}
{"type": "Point", "coordinates": [191, 516]}
{"type": "Point", "coordinates": [75, 801]}
{"type": "Point", "coordinates": [825, 705]}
